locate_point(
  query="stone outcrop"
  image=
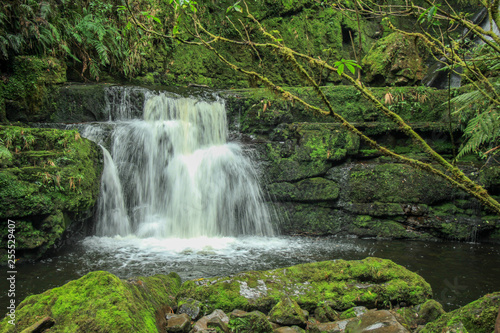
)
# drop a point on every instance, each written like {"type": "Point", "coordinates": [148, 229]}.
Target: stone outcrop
{"type": "Point", "coordinates": [49, 184]}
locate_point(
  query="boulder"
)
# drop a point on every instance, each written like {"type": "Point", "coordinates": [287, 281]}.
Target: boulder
{"type": "Point", "coordinates": [395, 59]}
{"type": "Point", "coordinates": [249, 322]}
{"type": "Point", "coordinates": [190, 307]}
{"type": "Point", "coordinates": [324, 313]}
{"type": "Point", "coordinates": [100, 302]}
{"type": "Point", "coordinates": [179, 323]}
{"type": "Point", "coordinates": [202, 323]}
{"type": "Point", "coordinates": [478, 317]}
{"type": "Point", "coordinates": [373, 321]}
{"type": "Point", "coordinates": [287, 313]}
{"type": "Point", "coordinates": [369, 282]}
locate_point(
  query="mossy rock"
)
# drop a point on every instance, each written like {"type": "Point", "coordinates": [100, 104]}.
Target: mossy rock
{"type": "Point", "coordinates": [251, 322]}
{"type": "Point", "coordinates": [371, 282]}
{"type": "Point", "coordinates": [396, 183]}
{"type": "Point", "coordinates": [396, 59]}
{"type": "Point", "coordinates": [287, 312]}
{"type": "Point", "coordinates": [308, 219]}
{"type": "Point", "coordinates": [478, 316]}
{"type": "Point", "coordinates": [308, 190]}
{"type": "Point", "coordinates": [53, 179]}
{"type": "Point", "coordinates": [100, 302]}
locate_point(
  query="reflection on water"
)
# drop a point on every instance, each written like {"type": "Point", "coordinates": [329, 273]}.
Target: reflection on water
{"type": "Point", "coordinates": [458, 272]}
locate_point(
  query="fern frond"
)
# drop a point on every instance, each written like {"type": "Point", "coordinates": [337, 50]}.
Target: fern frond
{"type": "Point", "coordinates": [482, 130]}
{"type": "Point", "coordinates": [466, 99]}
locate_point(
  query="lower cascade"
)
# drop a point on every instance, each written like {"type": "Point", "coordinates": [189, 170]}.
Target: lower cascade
{"type": "Point", "coordinates": [173, 174]}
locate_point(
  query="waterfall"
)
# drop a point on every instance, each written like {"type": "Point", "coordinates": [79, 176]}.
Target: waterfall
{"type": "Point", "coordinates": [173, 174]}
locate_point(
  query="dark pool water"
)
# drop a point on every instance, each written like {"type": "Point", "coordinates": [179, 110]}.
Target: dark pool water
{"type": "Point", "coordinates": [458, 272]}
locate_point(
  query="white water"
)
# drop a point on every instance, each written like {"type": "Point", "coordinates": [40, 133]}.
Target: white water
{"type": "Point", "coordinates": [172, 174]}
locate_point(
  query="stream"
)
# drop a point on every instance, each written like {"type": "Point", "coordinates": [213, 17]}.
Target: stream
{"type": "Point", "coordinates": [458, 272]}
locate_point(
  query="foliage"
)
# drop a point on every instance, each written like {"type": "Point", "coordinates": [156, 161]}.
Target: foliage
{"type": "Point", "coordinates": [93, 35]}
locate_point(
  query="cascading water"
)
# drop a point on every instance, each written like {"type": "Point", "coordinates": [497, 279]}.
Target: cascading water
{"type": "Point", "coordinates": [173, 174]}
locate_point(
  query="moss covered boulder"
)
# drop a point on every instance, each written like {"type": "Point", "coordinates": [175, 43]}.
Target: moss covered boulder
{"type": "Point", "coordinates": [478, 317]}
{"type": "Point", "coordinates": [395, 59]}
{"type": "Point", "coordinates": [371, 282]}
{"type": "Point", "coordinates": [100, 302]}
{"type": "Point", "coordinates": [49, 179]}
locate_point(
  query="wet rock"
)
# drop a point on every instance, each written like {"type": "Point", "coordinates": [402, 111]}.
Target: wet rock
{"type": "Point", "coordinates": [330, 327]}
{"type": "Point", "coordinates": [217, 324]}
{"type": "Point", "coordinates": [373, 321]}
{"type": "Point", "coordinates": [51, 190]}
{"type": "Point", "coordinates": [202, 323]}
{"type": "Point", "coordinates": [190, 307]}
{"type": "Point", "coordinates": [287, 312]}
{"type": "Point", "coordinates": [353, 312]}
{"type": "Point", "coordinates": [250, 322]}
{"type": "Point", "coordinates": [179, 323]}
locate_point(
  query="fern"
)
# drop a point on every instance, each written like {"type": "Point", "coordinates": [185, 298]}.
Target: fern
{"type": "Point", "coordinates": [482, 131]}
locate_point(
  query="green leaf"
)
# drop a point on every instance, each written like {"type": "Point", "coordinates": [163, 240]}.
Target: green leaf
{"type": "Point", "coordinates": [340, 68]}
{"type": "Point", "coordinates": [350, 67]}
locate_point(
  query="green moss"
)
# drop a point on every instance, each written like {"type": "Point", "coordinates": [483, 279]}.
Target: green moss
{"type": "Point", "coordinates": [99, 302]}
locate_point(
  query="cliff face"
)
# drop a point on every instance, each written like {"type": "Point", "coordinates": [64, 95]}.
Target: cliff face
{"type": "Point", "coordinates": [324, 181]}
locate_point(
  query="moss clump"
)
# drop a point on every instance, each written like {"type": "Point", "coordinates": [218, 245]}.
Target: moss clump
{"type": "Point", "coordinates": [478, 316]}
{"type": "Point", "coordinates": [369, 282]}
{"type": "Point", "coordinates": [99, 302]}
